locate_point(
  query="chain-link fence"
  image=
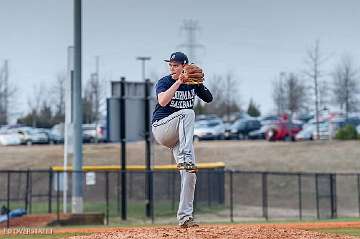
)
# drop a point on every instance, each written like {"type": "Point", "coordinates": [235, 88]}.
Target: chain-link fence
{"type": "Point", "coordinates": [221, 195]}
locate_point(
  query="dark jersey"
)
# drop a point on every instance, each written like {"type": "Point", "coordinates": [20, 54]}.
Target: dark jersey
{"type": "Point", "coordinates": [183, 99]}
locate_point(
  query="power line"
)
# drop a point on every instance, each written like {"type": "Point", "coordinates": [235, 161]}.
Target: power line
{"type": "Point", "coordinates": [191, 27]}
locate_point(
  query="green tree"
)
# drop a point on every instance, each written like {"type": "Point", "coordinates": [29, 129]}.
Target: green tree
{"type": "Point", "coordinates": [43, 118]}
{"type": "Point", "coordinates": [253, 109]}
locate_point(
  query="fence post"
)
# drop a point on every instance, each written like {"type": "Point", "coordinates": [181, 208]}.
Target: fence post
{"type": "Point", "coordinates": [333, 195]}
{"type": "Point", "coordinates": [209, 187]}
{"type": "Point", "coordinates": [231, 197]}
{"type": "Point", "coordinates": [300, 196]}
{"type": "Point", "coordinates": [58, 196]}
{"type": "Point", "coordinates": [50, 191]}
{"type": "Point", "coordinates": [130, 190]}
{"type": "Point", "coordinates": [107, 196]}
{"type": "Point", "coordinates": [317, 196]}
{"type": "Point", "coordinates": [148, 176]}
{"type": "Point", "coordinates": [118, 193]}
{"type": "Point", "coordinates": [151, 194]}
{"type": "Point", "coordinates": [173, 176]}
{"type": "Point", "coordinates": [358, 186]}
{"type": "Point", "coordinates": [123, 150]}
{"type": "Point", "coordinates": [265, 196]}
{"type": "Point", "coordinates": [8, 200]}
{"type": "Point", "coordinates": [27, 191]}
{"type": "Point", "coordinates": [221, 185]}
{"type": "Point", "coordinates": [30, 192]}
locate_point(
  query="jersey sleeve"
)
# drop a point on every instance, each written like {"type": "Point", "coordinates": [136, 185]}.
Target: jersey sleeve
{"type": "Point", "coordinates": [161, 86]}
{"type": "Point", "coordinates": [203, 93]}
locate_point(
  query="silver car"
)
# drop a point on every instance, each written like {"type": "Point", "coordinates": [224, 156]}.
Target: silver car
{"type": "Point", "coordinates": [209, 129]}
{"type": "Point", "coordinates": [29, 135]}
{"type": "Point", "coordinates": [307, 133]}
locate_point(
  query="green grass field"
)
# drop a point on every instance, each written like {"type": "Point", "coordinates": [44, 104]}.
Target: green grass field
{"type": "Point", "coordinates": [49, 236]}
{"type": "Point", "coordinates": [135, 209]}
{"type": "Point", "coordinates": [341, 231]}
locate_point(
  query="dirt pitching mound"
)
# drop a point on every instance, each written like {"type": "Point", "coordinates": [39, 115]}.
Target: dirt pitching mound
{"type": "Point", "coordinates": [30, 221]}
{"type": "Point", "coordinates": [213, 231]}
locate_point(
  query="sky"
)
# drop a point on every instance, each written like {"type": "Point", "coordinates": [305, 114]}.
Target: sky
{"type": "Point", "coordinates": [254, 40]}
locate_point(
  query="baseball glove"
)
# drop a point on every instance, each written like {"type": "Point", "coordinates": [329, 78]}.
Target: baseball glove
{"type": "Point", "coordinates": [193, 74]}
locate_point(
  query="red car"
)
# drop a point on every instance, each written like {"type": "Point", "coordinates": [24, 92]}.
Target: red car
{"type": "Point", "coordinates": [282, 130]}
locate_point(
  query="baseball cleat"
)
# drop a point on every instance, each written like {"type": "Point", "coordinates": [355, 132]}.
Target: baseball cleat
{"type": "Point", "coordinates": [191, 168]}
{"type": "Point", "coordinates": [189, 223]}
{"type": "Point", "coordinates": [180, 166]}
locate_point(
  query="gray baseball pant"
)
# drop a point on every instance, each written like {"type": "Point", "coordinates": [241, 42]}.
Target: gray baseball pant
{"type": "Point", "coordinates": [176, 132]}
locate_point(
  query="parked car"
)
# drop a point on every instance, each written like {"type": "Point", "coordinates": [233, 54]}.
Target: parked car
{"type": "Point", "coordinates": [240, 129]}
{"type": "Point", "coordinates": [10, 139]}
{"type": "Point", "coordinates": [269, 119]}
{"type": "Point", "coordinates": [307, 133]}
{"type": "Point", "coordinates": [209, 129]}
{"type": "Point", "coordinates": [29, 135]}
{"type": "Point", "coordinates": [56, 134]}
{"type": "Point", "coordinates": [260, 133]}
{"type": "Point", "coordinates": [329, 128]}
{"type": "Point", "coordinates": [282, 130]}
{"type": "Point", "coordinates": [304, 117]}
{"type": "Point", "coordinates": [354, 121]}
{"type": "Point", "coordinates": [93, 133]}
{"type": "Point", "coordinates": [7, 128]}
{"type": "Point", "coordinates": [206, 117]}
{"type": "Point", "coordinates": [227, 134]}
{"type": "Point", "coordinates": [54, 138]}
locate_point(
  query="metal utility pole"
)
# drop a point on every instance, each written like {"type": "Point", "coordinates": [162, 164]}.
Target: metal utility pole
{"type": "Point", "coordinates": [77, 190]}
{"type": "Point", "coordinates": [68, 126]}
{"type": "Point", "coordinates": [191, 28]}
{"type": "Point", "coordinates": [148, 178]}
{"type": "Point", "coordinates": [143, 59]}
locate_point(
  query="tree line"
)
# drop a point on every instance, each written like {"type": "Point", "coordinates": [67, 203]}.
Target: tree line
{"type": "Point", "coordinates": [313, 89]}
{"type": "Point", "coordinates": [309, 90]}
{"type": "Point", "coordinates": [48, 109]}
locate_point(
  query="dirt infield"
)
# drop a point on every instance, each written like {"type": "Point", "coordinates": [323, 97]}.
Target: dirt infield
{"type": "Point", "coordinates": [263, 231]}
{"type": "Point", "coordinates": [207, 231]}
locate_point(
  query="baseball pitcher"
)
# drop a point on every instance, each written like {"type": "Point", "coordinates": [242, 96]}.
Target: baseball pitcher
{"type": "Point", "coordinates": [173, 124]}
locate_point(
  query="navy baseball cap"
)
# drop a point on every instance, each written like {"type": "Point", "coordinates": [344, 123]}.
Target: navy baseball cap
{"type": "Point", "coordinates": [178, 57]}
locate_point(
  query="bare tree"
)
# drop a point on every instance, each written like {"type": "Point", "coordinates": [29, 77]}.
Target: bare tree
{"type": "Point", "coordinates": [346, 85]}
{"type": "Point", "coordinates": [35, 101]}
{"type": "Point", "coordinates": [324, 93]}
{"type": "Point", "coordinates": [289, 93]}
{"type": "Point", "coordinates": [7, 92]}
{"type": "Point", "coordinates": [225, 91]}
{"type": "Point", "coordinates": [314, 61]}
{"type": "Point", "coordinates": [295, 93]}
{"type": "Point", "coordinates": [278, 94]}
{"type": "Point", "coordinates": [231, 94]}
{"type": "Point", "coordinates": [94, 99]}
{"type": "Point", "coordinates": [58, 94]}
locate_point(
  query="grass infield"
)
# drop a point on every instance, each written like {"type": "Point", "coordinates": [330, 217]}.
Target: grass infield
{"type": "Point", "coordinates": [340, 231]}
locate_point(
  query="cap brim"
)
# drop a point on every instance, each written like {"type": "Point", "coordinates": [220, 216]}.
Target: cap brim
{"type": "Point", "coordinates": [174, 61]}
